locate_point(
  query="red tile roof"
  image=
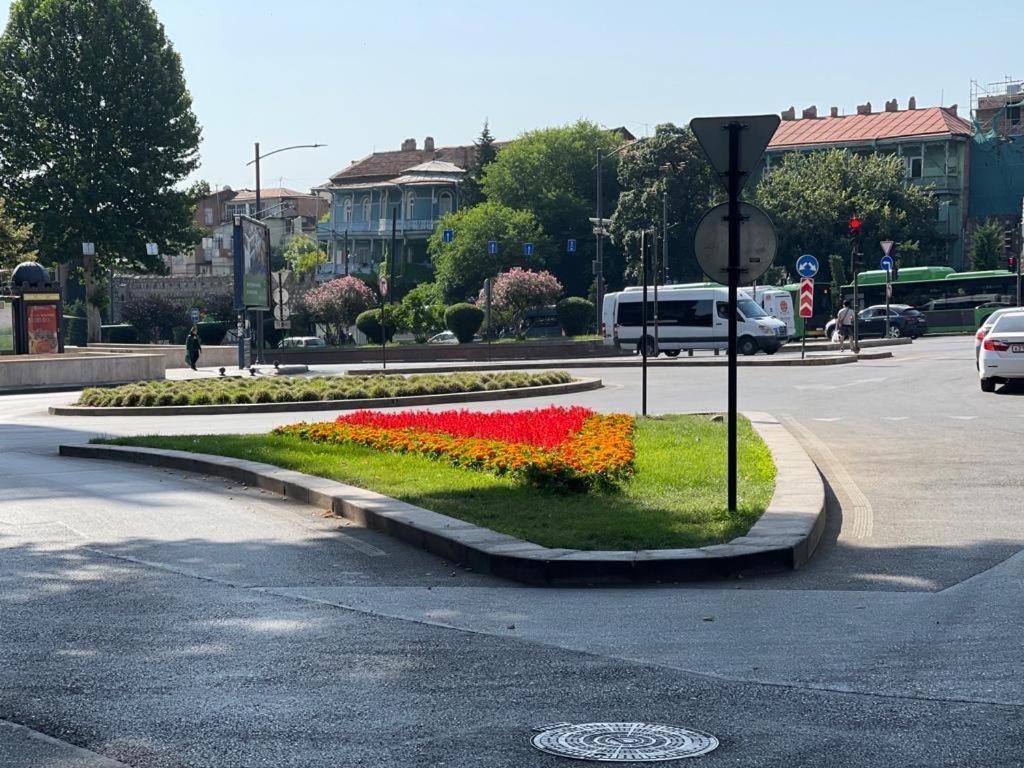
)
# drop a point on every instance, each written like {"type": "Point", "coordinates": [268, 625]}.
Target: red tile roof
{"type": "Point", "coordinates": [933, 121]}
{"type": "Point", "coordinates": [386, 165]}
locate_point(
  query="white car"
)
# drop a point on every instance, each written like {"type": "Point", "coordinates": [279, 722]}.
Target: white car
{"type": "Point", "coordinates": [444, 337]}
{"type": "Point", "coordinates": [986, 326]}
{"type": "Point", "coordinates": [1002, 351]}
{"type": "Point", "coordinates": [302, 342]}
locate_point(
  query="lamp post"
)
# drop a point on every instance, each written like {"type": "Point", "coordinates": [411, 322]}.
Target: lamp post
{"type": "Point", "coordinates": [256, 160]}
{"type": "Point", "coordinates": [601, 228]}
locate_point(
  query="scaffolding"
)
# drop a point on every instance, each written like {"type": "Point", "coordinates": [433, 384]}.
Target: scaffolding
{"type": "Point", "coordinates": [997, 109]}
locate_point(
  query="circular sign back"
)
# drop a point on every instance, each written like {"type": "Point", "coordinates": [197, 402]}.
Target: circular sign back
{"type": "Point", "coordinates": [757, 243]}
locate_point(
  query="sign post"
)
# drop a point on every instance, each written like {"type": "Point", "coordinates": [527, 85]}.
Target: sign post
{"type": "Point", "coordinates": [645, 246]}
{"type": "Point", "coordinates": [887, 266]}
{"type": "Point", "coordinates": [487, 315]}
{"type": "Point", "coordinates": [734, 146]}
{"type": "Point", "coordinates": [806, 309]}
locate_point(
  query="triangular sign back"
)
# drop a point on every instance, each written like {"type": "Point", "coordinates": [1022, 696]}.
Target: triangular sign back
{"type": "Point", "coordinates": [713, 135]}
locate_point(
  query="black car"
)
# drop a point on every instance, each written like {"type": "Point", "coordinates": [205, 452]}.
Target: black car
{"type": "Point", "coordinates": [904, 320]}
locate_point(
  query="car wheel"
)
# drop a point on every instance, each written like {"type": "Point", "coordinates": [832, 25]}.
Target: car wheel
{"type": "Point", "coordinates": [747, 346]}
{"type": "Point", "coordinates": [988, 385]}
{"type": "Point", "coordinates": [672, 352]}
{"type": "Point", "coordinates": [895, 332]}
{"type": "Point", "coordinates": [651, 346]}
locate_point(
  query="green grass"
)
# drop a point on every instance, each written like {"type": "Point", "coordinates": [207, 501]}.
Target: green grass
{"type": "Point", "coordinates": [677, 497]}
{"type": "Point", "coordinates": [223, 391]}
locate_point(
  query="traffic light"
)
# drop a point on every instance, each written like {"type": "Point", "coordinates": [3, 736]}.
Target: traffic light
{"type": "Point", "coordinates": [854, 224]}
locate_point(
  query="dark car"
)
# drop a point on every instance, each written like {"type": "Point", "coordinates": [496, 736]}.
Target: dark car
{"type": "Point", "coordinates": [904, 320]}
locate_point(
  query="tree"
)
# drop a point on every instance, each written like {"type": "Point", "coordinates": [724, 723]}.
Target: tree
{"type": "Point", "coordinates": [550, 172]}
{"type": "Point", "coordinates": [670, 162]}
{"type": "Point", "coordinates": [810, 198]}
{"type": "Point", "coordinates": [14, 241]}
{"type": "Point", "coordinates": [837, 274]}
{"type": "Point", "coordinates": [337, 304]}
{"type": "Point", "coordinates": [96, 132]}
{"type": "Point", "coordinates": [516, 291]}
{"type": "Point", "coordinates": [461, 266]}
{"type": "Point", "coordinates": [472, 188]}
{"type": "Point", "coordinates": [304, 255]}
{"type": "Point", "coordinates": [420, 312]}
{"type": "Point", "coordinates": [155, 317]}
{"type": "Point", "coordinates": [987, 245]}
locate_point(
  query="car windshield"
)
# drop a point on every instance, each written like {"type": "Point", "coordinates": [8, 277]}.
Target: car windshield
{"type": "Point", "coordinates": [750, 309]}
{"type": "Point", "coordinates": [1009, 324]}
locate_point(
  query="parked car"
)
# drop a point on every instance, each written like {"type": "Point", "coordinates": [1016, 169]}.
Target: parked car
{"type": "Point", "coordinates": [1002, 351]}
{"type": "Point", "coordinates": [301, 342]}
{"type": "Point", "coordinates": [986, 326]}
{"type": "Point", "coordinates": [904, 320]}
{"type": "Point", "coordinates": [542, 328]}
{"type": "Point", "coordinates": [444, 337]}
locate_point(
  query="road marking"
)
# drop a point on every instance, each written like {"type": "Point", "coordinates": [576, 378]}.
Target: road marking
{"type": "Point", "coordinates": [962, 418]}
{"type": "Point", "coordinates": [830, 418]}
{"type": "Point", "coordinates": [831, 387]}
{"type": "Point", "coordinates": [858, 516]}
{"type": "Point", "coordinates": [895, 418]}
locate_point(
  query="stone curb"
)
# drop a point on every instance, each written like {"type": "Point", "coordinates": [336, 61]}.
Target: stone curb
{"type": "Point", "coordinates": [784, 538]}
{"type": "Point", "coordinates": [600, 363]}
{"type": "Point", "coordinates": [577, 385]}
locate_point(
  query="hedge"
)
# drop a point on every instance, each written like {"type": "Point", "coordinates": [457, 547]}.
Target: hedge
{"type": "Point", "coordinates": [76, 331]}
{"type": "Point", "coordinates": [369, 323]}
{"type": "Point", "coordinates": [464, 321]}
{"type": "Point", "coordinates": [575, 315]}
{"type": "Point", "coordinates": [119, 334]}
{"type": "Point", "coordinates": [211, 332]}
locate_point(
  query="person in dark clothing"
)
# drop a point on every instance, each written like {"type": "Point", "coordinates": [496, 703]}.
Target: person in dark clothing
{"type": "Point", "coordinates": [192, 348]}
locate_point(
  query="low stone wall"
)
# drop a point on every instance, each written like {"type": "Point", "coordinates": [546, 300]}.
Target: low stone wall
{"type": "Point", "coordinates": [174, 353]}
{"type": "Point", "coordinates": [430, 353]}
{"type": "Point", "coordinates": [25, 373]}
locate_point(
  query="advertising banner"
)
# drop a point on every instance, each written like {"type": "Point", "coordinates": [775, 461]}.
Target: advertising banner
{"type": "Point", "coordinates": [43, 327]}
{"type": "Point", "coordinates": [252, 263]}
{"type": "Point", "coordinates": [6, 327]}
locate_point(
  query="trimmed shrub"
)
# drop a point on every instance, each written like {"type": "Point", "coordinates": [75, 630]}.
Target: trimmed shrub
{"type": "Point", "coordinates": [178, 334]}
{"type": "Point", "coordinates": [211, 332]}
{"type": "Point", "coordinates": [463, 320]}
{"type": "Point", "coordinates": [76, 331]}
{"type": "Point", "coordinates": [575, 315]}
{"type": "Point", "coordinates": [119, 334]}
{"type": "Point", "coordinates": [369, 323]}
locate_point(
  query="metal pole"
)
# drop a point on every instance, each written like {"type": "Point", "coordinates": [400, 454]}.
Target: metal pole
{"type": "Point", "coordinates": [487, 312]}
{"type": "Point", "coordinates": [734, 280]}
{"type": "Point", "coordinates": [259, 312]}
{"type": "Point", "coordinates": [644, 259]}
{"type": "Point", "coordinates": [344, 254]}
{"type": "Point", "coordinates": [888, 290]}
{"type": "Point", "coordinates": [654, 273]}
{"type": "Point", "coordinates": [664, 232]}
{"type": "Point", "coordinates": [855, 344]}
{"type": "Point", "coordinates": [599, 285]}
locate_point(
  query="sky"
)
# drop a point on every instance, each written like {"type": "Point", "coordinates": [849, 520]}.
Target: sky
{"type": "Point", "coordinates": [363, 76]}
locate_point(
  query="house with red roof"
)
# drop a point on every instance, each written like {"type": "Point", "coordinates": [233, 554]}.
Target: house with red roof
{"type": "Point", "coordinates": [933, 142]}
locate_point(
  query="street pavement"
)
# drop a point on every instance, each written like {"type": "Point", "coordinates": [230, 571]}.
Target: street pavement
{"type": "Point", "coordinates": [157, 619]}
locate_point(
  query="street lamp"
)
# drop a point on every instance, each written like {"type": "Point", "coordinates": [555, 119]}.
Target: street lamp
{"type": "Point", "coordinates": [256, 161]}
{"type": "Point", "coordinates": [601, 228]}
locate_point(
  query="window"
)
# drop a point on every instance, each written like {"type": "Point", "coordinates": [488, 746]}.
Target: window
{"type": "Point", "coordinates": [1013, 115]}
{"type": "Point", "coordinates": [410, 205]}
{"type": "Point", "coordinates": [689, 313]}
{"type": "Point", "coordinates": [913, 160]}
{"type": "Point", "coordinates": [444, 204]}
{"type": "Point", "coordinates": [366, 208]}
{"type": "Point", "coordinates": [208, 216]}
{"type": "Point", "coordinates": [346, 210]}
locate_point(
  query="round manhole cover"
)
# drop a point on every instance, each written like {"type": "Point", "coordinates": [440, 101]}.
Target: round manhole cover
{"type": "Point", "coordinates": [623, 742]}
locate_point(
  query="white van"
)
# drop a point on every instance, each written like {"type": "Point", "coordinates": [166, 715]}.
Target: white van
{"type": "Point", "coordinates": [690, 317]}
{"type": "Point", "coordinates": [776, 302]}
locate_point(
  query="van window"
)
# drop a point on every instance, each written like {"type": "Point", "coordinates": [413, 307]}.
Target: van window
{"type": "Point", "coordinates": [689, 312]}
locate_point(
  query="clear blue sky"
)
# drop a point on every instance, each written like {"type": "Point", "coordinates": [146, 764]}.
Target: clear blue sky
{"type": "Point", "coordinates": [360, 76]}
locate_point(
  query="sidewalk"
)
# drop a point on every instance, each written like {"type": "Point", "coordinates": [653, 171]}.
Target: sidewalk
{"type": "Point", "coordinates": [21, 747]}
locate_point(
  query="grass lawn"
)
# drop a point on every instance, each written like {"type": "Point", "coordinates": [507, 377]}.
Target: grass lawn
{"type": "Point", "coordinates": [677, 497]}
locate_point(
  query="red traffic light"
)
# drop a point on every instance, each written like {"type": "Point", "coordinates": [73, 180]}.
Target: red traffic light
{"type": "Point", "coordinates": [854, 224]}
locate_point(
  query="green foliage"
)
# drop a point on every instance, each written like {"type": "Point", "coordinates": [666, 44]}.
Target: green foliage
{"type": "Point", "coordinates": [987, 246]}
{"type": "Point", "coordinates": [120, 334]}
{"type": "Point", "coordinates": [550, 172]}
{"type": "Point", "coordinates": [179, 333]}
{"type": "Point", "coordinates": [462, 265]}
{"type": "Point", "coordinates": [75, 331]}
{"type": "Point", "coordinates": [669, 162]}
{"type": "Point", "coordinates": [777, 274]}
{"type": "Point", "coordinates": [211, 332]}
{"type": "Point", "coordinates": [576, 315]}
{"type": "Point", "coordinates": [810, 198]}
{"type": "Point", "coordinates": [369, 323]}
{"type": "Point", "coordinates": [464, 321]}
{"type": "Point", "coordinates": [471, 189]}
{"type": "Point", "coordinates": [96, 134]}
{"type": "Point", "coordinates": [155, 317]}
{"type": "Point", "coordinates": [304, 255]}
{"type": "Point", "coordinates": [837, 274]}
{"type": "Point", "coordinates": [14, 241]}
{"type": "Point", "coordinates": [420, 312]}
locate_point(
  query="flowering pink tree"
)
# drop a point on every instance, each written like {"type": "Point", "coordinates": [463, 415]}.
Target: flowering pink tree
{"type": "Point", "coordinates": [515, 291]}
{"type": "Point", "coordinates": [337, 303]}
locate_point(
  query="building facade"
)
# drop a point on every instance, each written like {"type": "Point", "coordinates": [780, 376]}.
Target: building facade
{"type": "Point", "coordinates": [934, 144]}
{"type": "Point", "coordinates": [412, 187]}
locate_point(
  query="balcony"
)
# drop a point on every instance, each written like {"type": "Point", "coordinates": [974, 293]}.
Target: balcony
{"type": "Point", "coordinates": [375, 227]}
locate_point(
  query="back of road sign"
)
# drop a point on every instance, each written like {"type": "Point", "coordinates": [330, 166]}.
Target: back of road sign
{"type": "Point", "coordinates": [713, 135]}
{"type": "Point", "coordinates": [757, 243]}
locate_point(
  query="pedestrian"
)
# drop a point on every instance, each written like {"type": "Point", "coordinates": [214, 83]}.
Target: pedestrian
{"type": "Point", "coordinates": [192, 348]}
{"type": "Point", "coordinates": [844, 326]}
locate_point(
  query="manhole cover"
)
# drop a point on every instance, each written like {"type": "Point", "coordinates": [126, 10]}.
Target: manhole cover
{"type": "Point", "coordinates": [622, 742]}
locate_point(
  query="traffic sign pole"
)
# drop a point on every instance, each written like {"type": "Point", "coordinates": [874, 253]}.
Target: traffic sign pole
{"type": "Point", "coordinates": [735, 185]}
{"type": "Point", "coordinates": [806, 310]}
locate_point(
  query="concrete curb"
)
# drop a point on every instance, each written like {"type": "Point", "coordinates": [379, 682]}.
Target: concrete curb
{"type": "Point", "coordinates": [636, 363]}
{"type": "Point", "coordinates": [784, 538]}
{"type": "Point", "coordinates": [577, 385]}
{"type": "Point", "coordinates": [832, 346]}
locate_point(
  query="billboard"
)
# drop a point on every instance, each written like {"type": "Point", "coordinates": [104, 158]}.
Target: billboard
{"type": "Point", "coordinates": [6, 326]}
{"type": "Point", "coordinates": [43, 329]}
{"type": "Point", "coordinates": [252, 263]}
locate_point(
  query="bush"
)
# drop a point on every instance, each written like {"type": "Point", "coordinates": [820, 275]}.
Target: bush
{"type": "Point", "coordinates": [369, 323]}
{"type": "Point", "coordinates": [463, 320]}
{"type": "Point", "coordinates": [76, 331]}
{"type": "Point", "coordinates": [211, 333]}
{"type": "Point", "coordinates": [179, 333]}
{"type": "Point", "coordinates": [119, 334]}
{"type": "Point", "coordinates": [575, 315]}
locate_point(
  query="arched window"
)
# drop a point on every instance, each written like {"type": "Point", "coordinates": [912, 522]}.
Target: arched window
{"type": "Point", "coordinates": [410, 205]}
{"type": "Point", "coordinates": [444, 203]}
{"type": "Point", "coordinates": [366, 208]}
{"type": "Point", "coordinates": [346, 210]}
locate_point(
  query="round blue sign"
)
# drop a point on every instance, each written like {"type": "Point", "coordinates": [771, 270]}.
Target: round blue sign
{"type": "Point", "coordinates": [807, 266]}
{"type": "Point", "coordinates": [887, 263]}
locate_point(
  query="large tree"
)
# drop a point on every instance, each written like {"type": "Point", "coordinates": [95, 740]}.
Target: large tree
{"type": "Point", "coordinates": [668, 167]}
{"type": "Point", "coordinates": [471, 189]}
{"type": "Point", "coordinates": [303, 254]}
{"type": "Point", "coordinates": [462, 265]}
{"type": "Point", "coordinates": [811, 197]}
{"type": "Point", "coordinates": [14, 240]}
{"type": "Point", "coordinates": [551, 173]}
{"type": "Point", "coordinates": [987, 246]}
{"type": "Point", "coordinates": [96, 134]}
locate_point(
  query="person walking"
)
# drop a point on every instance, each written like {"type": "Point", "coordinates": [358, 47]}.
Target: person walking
{"type": "Point", "coordinates": [844, 325]}
{"type": "Point", "coordinates": [192, 348]}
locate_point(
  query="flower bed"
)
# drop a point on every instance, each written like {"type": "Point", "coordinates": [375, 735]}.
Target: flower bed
{"type": "Point", "coordinates": [573, 448]}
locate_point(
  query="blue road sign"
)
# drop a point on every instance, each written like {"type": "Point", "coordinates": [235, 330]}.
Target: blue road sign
{"type": "Point", "coordinates": [448, 235]}
{"type": "Point", "coordinates": [571, 248]}
{"type": "Point", "coordinates": [492, 247]}
{"type": "Point", "coordinates": [527, 249]}
{"type": "Point", "coordinates": [807, 266]}
{"type": "Point", "coordinates": [195, 315]}
{"type": "Point", "coordinates": [887, 263]}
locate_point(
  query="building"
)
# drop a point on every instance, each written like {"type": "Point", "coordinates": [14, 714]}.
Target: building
{"type": "Point", "coordinates": [285, 211]}
{"type": "Point", "coordinates": [934, 143]}
{"type": "Point", "coordinates": [413, 186]}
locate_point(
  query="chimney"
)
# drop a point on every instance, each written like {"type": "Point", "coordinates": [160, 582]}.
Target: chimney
{"type": "Point", "coordinates": [864, 109]}
{"type": "Point", "coordinates": [428, 144]}
{"type": "Point", "coordinates": [952, 109]}
{"type": "Point", "coordinates": [892, 106]}
{"type": "Point", "coordinates": [409, 145]}
{"type": "Point", "coordinates": [810, 113]}
{"type": "Point", "coordinates": [789, 114]}
{"type": "Point", "coordinates": [912, 104]}
{"type": "Point", "coordinates": [833, 112]}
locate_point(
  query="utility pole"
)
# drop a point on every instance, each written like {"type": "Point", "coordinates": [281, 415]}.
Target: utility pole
{"type": "Point", "coordinates": [599, 232]}
{"type": "Point", "coordinates": [344, 253]}
{"type": "Point", "coordinates": [259, 312]}
{"type": "Point", "coordinates": [855, 224]}
{"type": "Point", "coordinates": [645, 265]}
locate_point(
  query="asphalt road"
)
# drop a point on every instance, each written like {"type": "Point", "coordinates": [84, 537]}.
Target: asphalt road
{"type": "Point", "coordinates": [154, 619]}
